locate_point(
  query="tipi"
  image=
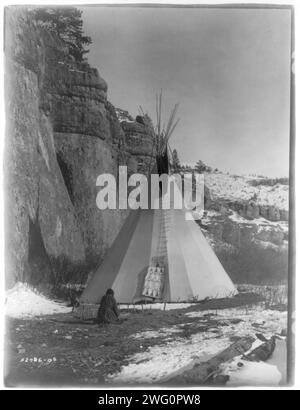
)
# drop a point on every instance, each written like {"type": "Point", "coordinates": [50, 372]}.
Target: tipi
{"type": "Point", "coordinates": [159, 255]}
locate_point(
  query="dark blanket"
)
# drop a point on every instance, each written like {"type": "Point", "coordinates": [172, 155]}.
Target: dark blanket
{"type": "Point", "coordinates": [108, 311]}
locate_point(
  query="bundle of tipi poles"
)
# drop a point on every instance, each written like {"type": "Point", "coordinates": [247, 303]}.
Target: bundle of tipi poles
{"type": "Point", "coordinates": [162, 133]}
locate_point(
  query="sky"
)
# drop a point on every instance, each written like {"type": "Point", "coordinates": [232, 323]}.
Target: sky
{"type": "Point", "coordinates": [229, 70]}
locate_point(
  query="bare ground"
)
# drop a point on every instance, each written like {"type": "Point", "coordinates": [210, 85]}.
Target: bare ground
{"type": "Point", "coordinates": [59, 350]}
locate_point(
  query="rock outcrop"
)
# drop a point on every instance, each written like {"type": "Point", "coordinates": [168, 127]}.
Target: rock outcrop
{"type": "Point", "coordinates": [252, 210]}
{"type": "Point", "coordinates": [250, 201]}
{"type": "Point", "coordinates": [38, 207]}
{"type": "Point", "coordinates": [250, 251]}
{"type": "Point", "coordinates": [139, 142]}
{"type": "Point", "coordinates": [247, 224]}
{"type": "Point", "coordinates": [238, 233]}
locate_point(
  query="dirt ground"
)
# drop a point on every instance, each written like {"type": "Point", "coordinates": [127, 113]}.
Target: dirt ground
{"type": "Point", "coordinates": [59, 350]}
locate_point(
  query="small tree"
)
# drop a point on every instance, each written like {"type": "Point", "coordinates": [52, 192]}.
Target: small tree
{"type": "Point", "coordinates": [175, 161]}
{"type": "Point", "coordinates": [67, 24]}
{"type": "Point", "coordinates": [200, 167]}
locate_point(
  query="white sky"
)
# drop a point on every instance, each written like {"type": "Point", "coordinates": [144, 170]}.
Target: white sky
{"type": "Point", "coordinates": [228, 68]}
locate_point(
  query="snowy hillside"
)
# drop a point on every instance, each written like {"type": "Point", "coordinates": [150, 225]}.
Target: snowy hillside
{"type": "Point", "coordinates": [239, 188]}
{"type": "Point", "coordinates": [246, 221]}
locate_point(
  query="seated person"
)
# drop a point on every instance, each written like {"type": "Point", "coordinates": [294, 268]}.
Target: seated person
{"type": "Point", "coordinates": [108, 311]}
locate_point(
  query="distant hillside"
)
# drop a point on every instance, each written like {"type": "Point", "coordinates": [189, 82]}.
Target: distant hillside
{"type": "Point", "coordinates": [247, 224]}
{"type": "Point", "coordinates": [240, 188]}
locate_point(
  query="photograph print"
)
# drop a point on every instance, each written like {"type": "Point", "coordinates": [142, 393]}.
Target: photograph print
{"type": "Point", "coordinates": [149, 196]}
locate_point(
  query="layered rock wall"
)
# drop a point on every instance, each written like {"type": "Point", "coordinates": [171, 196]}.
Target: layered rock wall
{"type": "Point", "coordinates": [62, 132]}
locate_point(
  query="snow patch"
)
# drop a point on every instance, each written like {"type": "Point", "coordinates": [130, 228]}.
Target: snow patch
{"type": "Point", "coordinates": [261, 222]}
{"type": "Point", "coordinates": [163, 332]}
{"type": "Point", "coordinates": [253, 320]}
{"type": "Point", "coordinates": [160, 306]}
{"type": "Point", "coordinates": [245, 373]}
{"type": "Point", "coordinates": [161, 362]}
{"type": "Point", "coordinates": [22, 301]}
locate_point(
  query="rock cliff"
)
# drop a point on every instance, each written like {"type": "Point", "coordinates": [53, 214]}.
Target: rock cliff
{"type": "Point", "coordinates": [62, 132]}
{"type": "Point", "coordinates": [247, 224]}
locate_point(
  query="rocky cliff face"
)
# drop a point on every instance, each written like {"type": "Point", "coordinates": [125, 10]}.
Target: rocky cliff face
{"type": "Point", "coordinates": [139, 146]}
{"type": "Point", "coordinates": [61, 134]}
{"type": "Point", "coordinates": [248, 227]}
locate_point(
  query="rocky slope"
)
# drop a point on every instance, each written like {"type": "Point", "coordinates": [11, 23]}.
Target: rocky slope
{"type": "Point", "coordinates": [251, 198]}
{"type": "Point", "coordinates": [62, 132]}
{"type": "Point", "coordinates": [247, 224]}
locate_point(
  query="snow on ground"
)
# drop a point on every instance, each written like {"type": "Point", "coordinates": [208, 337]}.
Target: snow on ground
{"type": "Point", "coordinates": [245, 373]}
{"type": "Point", "coordinates": [279, 359]}
{"type": "Point", "coordinates": [163, 361]}
{"type": "Point", "coordinates": [262, 222]}
{"type": "Point", "coordinates": [24, 301]}
{"type": "Point", "coordinates": [253, 320]}
{"type": "Point", "coordinates": [160, 306]}
{"type": "Point", "coordinates": [163, 332]}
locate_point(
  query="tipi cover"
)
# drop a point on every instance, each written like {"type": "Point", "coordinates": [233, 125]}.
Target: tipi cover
{"type": "Point", "coordinates": [162, 242]}
{"type": "Point", "coordinates": [159, 254]}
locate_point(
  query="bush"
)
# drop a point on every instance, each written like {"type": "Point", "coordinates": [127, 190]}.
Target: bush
{"type": "Point", "coordinates": [66, 23]}
{"type": "Point", "coordinates": [269, 181]}
{"type": "Point", "coordinates": [253, 264]}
